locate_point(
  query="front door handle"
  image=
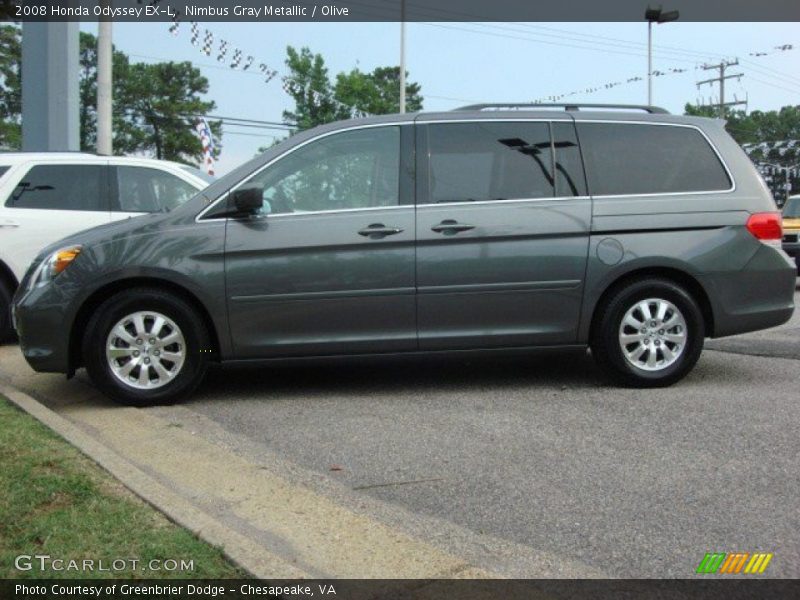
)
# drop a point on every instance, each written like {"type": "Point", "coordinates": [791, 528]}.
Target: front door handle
{"type": "Point", "coordinates": [377, 231]}
{"type": "Point", "coordinates": [9, 223]}
{"type": "Point", "coordinates": [451, 227]}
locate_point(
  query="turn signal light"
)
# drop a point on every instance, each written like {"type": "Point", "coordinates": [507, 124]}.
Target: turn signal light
{"type": "Point", "coordinates": [766, 226]}
{"type": "Point", "coordinates": [61, 260]}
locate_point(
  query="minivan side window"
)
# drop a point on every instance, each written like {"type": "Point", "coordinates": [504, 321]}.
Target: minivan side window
{"type": "Point", "coordinates": [142, 189]}
{"type": "Point", "coordinates": [61, 187]}
{"type": "Point", "coordinates": [640, 158]}
{"type": "Point", "coordinates": [348, 170]}
{"type": "Point", "coordinates": [489, 160]}
{"type": "Point", "coordinates": [3, 170]}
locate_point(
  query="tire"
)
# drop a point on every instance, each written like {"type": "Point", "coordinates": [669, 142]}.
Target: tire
{"type": "Point", "coordinates": [661, 349]}
{"type": "Point", "coordinates": [7, 333]}
{"type": "Point", "coordinates": [121, 336]}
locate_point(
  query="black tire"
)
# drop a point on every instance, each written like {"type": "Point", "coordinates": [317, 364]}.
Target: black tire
{"type": "Point", "coordinates": [7, 333]}
{"type": "Point", "coordinates": [196, 347]}
{"type": "Point", "coordinates": [607, 348]}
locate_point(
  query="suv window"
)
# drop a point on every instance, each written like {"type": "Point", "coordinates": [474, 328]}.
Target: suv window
{"type": "Point", "coordinates": [474, 162]}
{"type": "Point", "coordinates": [632, 158]}
{"type": "Point", "coordinates": [348, 170]}
{"type": "Point", "coordinates": [142, 189]}
{"type": "Point", "coordinates": [61, 187]}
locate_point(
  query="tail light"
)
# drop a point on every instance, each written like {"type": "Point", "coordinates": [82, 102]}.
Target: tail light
{"type": "Point", "coordinates": [766, 227]}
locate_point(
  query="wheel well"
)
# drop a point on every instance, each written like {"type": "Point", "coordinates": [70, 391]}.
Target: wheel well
{"type": "Point", "coordinates": [7, 277]}
{"type": "Point", "coordinates": [105, 292]}
{"type": "Point", "coordinates": [680, 277]}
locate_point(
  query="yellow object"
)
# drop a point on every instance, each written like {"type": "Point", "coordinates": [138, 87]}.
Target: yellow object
{"type": "Point", "coordinates": [63, 258]}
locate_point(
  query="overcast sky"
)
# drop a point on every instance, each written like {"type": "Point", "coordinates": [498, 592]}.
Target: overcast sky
{"type": "Point", "coordinates": [459, 63]}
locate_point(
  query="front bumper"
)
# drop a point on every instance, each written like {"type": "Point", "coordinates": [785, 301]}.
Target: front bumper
{"type": "Point", "coordinates": [42, 321]}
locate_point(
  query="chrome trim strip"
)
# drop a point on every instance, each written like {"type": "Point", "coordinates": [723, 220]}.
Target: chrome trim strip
{"type": "Point", "coordinates": [510, 201]}
{"type": "Point", "coordinates": [340, 210]}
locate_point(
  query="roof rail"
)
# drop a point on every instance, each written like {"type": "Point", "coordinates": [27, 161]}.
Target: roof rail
{"type": "Point", "coordinates": [567, 106]}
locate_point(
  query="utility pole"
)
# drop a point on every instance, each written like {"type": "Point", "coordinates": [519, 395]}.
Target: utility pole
{"type": "Point", "coordinates": [402, 56]}
{"type": "Point", "coordinates": [104, 87]}
{"type": "Point", "coordinates": [722, 66]}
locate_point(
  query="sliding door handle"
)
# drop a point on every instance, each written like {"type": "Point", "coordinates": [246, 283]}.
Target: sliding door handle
{"type": "Point", "coordinates": [451, 227]}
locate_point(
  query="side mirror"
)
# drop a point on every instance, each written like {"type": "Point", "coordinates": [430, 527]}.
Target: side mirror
{"type": "Point", "coordinates": [249, 199]}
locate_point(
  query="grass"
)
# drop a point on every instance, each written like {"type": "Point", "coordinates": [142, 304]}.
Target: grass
{"type": "Point", "coordinates": [55, 501]}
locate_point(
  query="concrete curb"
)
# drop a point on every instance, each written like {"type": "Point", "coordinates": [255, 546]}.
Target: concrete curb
{"type": "Point", "coordinates": [243, 552]}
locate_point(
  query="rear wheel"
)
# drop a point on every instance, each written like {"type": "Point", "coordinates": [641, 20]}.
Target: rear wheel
{"type": "Point", "coordinates": [145, 346]}
{"type": "Point", "coordinates": [649, 333]}
{"type": "Point", "coordinates": [6, 330]}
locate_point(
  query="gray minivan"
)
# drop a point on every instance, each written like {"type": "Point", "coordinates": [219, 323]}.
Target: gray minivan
{"type": "Point", "coordinates": [494, 227]}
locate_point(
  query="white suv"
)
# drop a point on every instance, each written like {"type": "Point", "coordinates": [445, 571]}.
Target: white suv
{"type": "Point", "coordinates": [47, 196]}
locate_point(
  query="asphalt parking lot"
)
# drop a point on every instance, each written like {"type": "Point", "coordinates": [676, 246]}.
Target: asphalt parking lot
{"type": "Point", "coordinates": [529, 461]}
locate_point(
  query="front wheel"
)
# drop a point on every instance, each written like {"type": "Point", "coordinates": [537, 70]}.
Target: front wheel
{"type": "Point", "coordinates": [145, 347]}
{"type": "Point", "coordinates": [649, 333]}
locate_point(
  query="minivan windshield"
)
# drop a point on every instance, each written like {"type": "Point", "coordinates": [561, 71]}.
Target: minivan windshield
{"type": "Point", "coordinates": [792, 208]}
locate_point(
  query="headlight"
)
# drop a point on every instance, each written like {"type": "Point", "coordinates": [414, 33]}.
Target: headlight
{"type": "Point", "coordinates": [53, 265]}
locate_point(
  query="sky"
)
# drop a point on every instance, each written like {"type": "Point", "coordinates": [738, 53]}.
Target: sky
{"type": "Point", "coordinates": [462, 63]}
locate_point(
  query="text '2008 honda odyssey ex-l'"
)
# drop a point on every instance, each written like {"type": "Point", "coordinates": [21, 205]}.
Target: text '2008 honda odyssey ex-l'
{"type": "Point", "coordinates": [635, 233]}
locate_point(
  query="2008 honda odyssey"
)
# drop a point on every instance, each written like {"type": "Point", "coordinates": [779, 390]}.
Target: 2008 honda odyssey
{"type": "Point", "coordinates": [634, 232]}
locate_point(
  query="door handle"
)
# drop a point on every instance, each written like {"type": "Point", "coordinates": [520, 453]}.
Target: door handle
{"type": "Point", "coordinates": [377, 231]}
{"type": "Point", "coordinates": [9, 223]}
{"type": "Point", "coordinates": [451, 227]}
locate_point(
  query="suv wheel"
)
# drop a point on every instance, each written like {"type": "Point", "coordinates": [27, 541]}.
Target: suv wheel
{"type": "Point", "coordinates": [6, 330]}
{"type": "Point", "coordinates": [650, 333]}
{"type": "Point", "coordinates": [145, 347]}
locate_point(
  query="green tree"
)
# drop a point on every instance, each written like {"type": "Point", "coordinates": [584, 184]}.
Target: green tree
{"type": "Point", "coordinates": [376, 93]}
{"type": "Point", "coordinates": [758, 126]}
{"type": "Point", "coordinates": [10, 87]}
{"type": "Point", "coordinates": [318, 100]}
{"type": "Point", "coordinates": [161, 102]}
{"type": "Point", "coordinates": [309, 86]}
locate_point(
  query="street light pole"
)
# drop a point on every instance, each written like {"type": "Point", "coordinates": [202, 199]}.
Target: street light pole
{"type": "Point", "coordinates": [658, 16]}
{"type": "Point", "coordinates": [402, 56]}
{"type": "Point", "coordinates": [649, 63]}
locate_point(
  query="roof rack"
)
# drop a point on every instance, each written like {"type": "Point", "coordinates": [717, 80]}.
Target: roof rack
{"type": "Point", "coordinates": [653, 110]}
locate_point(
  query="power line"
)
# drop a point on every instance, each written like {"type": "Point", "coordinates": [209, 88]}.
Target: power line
{"type": "Point", "coordinates": [773, 85]}
{"type": "Point", "coordinates": [551, 43]}
{"type": "Point", "coordinates": [767, 70]}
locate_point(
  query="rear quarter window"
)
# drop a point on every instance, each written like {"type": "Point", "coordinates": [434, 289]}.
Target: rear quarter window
{"type": "Point", "coordinates": [61, 187]}
{"type": "Point", "coordinates": [3, 170]}
{"type": "Point", "coordinates": [633, 158]}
